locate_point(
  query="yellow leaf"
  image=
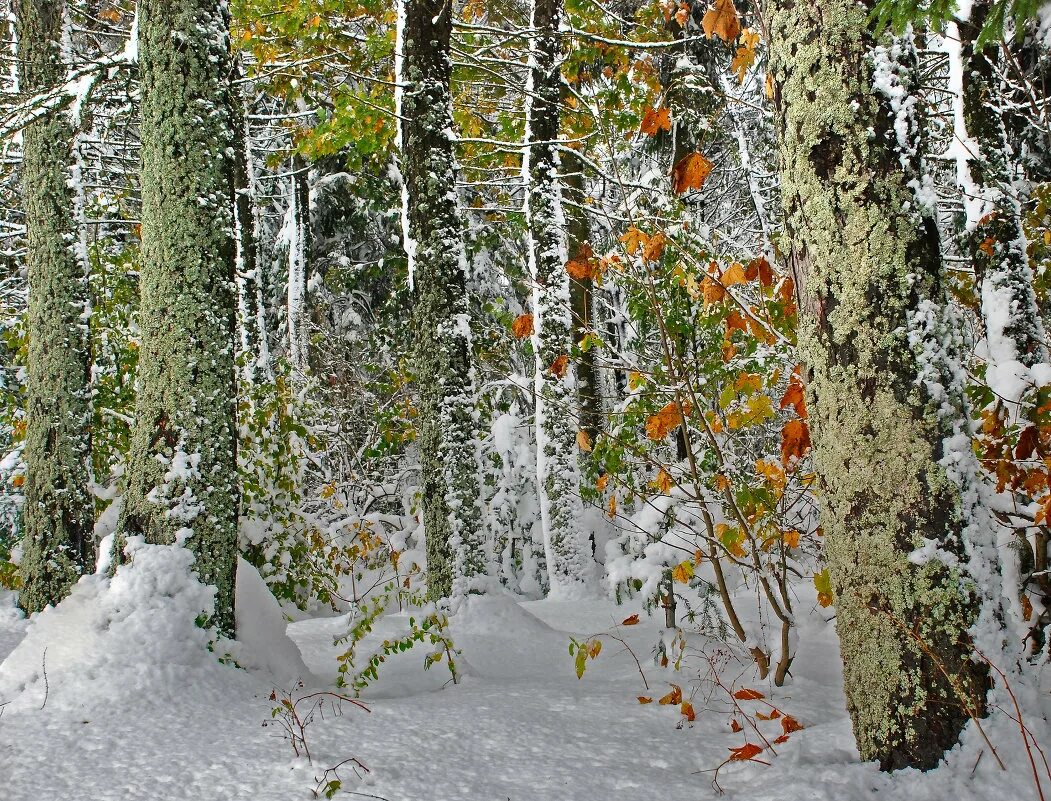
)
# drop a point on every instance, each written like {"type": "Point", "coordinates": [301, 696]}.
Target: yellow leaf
{"type": "Point", "coordinates": [663, 481]}
{"type": "Point", "coordinates": [612, 508]}
{"type": "Point", "coordinates": [683, 572]}
{"type": "Point", "coordinates": [584, 441]}
{"type": "Point", "coordinates": [674, 697]}
{"type": "Point", "coordinates": [633, 238]}
{"type": "Point", "coordinates": [734, 275]}
{"type": "Point", "coordinates": [602, 481]}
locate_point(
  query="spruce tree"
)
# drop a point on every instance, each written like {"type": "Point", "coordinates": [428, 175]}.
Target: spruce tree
{"type": "Point", "coordinates": [58, 511]}
{"type": "Point", "coordinates": [182, 472]}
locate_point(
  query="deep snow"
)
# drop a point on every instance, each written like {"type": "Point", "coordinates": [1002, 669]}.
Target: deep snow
{"type": "Point", "coordinates": [137, 707]}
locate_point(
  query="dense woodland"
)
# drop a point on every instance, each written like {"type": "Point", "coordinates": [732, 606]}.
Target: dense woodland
{"type": "Point", "coordinates": [733, 312]}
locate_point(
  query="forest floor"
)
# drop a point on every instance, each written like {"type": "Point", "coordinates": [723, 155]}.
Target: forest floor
{"type": "Point", "coordinates": [520, 726]}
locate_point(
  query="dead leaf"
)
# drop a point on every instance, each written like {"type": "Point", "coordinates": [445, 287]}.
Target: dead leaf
{"type": "Point", "coordinates": [522, 326]}
{"type": "Point", "coordinates": [559, 366]}
{"type": "Point", "coordinates": [659, 425]}
{"type": "Point", "coordinates": [584, 441]}
{"type": "Point", "coordinates": [643, 699]}
{"type": "Point", "coordinates": [691, 172]}
{"type": "Point", "coordinates": [682, 572]}
{"type": "Point", "coordinates": [673, 697]}
{"type": "Point", "coordinates": [795, 441]}
{"type": "Point", "coordinates": [633, 620]}
{"type": "Point", "coordinates": [722, 20]}
{"type": "Point", "coordinates": [789, 724]}
{"type": "Point", "coordinates": [735, 726]}
{"type": "Point", "coordinates": [746, 694]}
{"type": "Point", "coordinates": [687, 709]}
{"type": "Point", "coordinates": [745, 752]}
{"type": "Point", "coordinates": [655, 120]}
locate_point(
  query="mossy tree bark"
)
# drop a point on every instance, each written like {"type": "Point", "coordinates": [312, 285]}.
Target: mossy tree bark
{"type": "Point", "coordinates": [570, 565]}
{"type": "Point", "coordinates": [457, 562]}
{"type": "Point", "coordinates": [866, 258]}
{"type": "Point", "coordinates": [58, 514]}
{"type": "Point", "coordinates": [182, 472]}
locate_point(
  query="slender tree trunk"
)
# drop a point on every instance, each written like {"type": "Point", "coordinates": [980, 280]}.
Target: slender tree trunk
{"type": "Point", "coordinates": [298, 257]}
{"type": "Point", "coordinates": [58, 513]}
{"type": "Point", "coordinates": [182, 472]}
{"type": "Point", "coordinates": [457, 562]}
{"type": "Point", "coordinates": [570, 564]}
{"type": "Point", "coordinates": [866, 259]}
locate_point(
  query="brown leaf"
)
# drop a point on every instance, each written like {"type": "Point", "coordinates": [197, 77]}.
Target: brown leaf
{"type": "Point", "coordinates": [654, 120]}
{"type": "Point", "coordinates": [522, 326]}
{"type": "Point", "coordinates": [735, 726]}
{"type": "Point", "coordinates": [687, 709]}
{"type": "Point", "coordinates": [711, 290]}
{"type": "Point", "coordinates": [654, 249]}
{"type": "Point", "coordinates": [633, 620]}
{"type": "Point", "coordinates": [691, 172]}
{"type": "Point", "coordinates": [584, 441]}
{"type": "Point", "coordinates": [745, 752]}
{"type": "Point", "coordinates": [1027, 608]}
{"type": "Point", "coordinates": [722, 20]}
{"type": "Point", "coordinates": [673, 697]}
{"type": "Point", "coordinates": [1027, 442]}
{"type": "Point", "coordinates": [643, 699]}
{"type": "Point", "coordinates": [746, 694]}
{"type": "Point", "coordinates": [790, 724]}
{"type": "Point", "coordinates": [795, 441]}
{"type": "Point", "coordinates": [559, 366]}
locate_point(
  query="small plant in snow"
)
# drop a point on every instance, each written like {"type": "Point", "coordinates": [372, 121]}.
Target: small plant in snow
{"type": "Point", "coordinates": [294, 710]}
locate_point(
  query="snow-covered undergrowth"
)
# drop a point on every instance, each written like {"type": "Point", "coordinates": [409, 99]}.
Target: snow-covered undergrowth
{"type": "Point", "coordinates": [137, 706]}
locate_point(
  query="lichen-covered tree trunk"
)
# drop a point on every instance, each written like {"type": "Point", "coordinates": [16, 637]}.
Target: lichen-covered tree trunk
{"type": "Point", "coordinates": [457, 562]}
{"type": "Point", "coordinates": [182, 471]}
{"type": "Point", "coordinates": [58, 514]}
{"type": "Point", "coordinates": [570, 565]}
{"type": "Point", "coordinates": [298, 259]}
{"type": "Point", "coordinates": [866, 258]}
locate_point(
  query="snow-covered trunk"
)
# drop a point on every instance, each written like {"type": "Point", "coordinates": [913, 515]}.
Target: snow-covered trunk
{"type": "Point", "coordinates": [582, 304]}
{"type": "Point", "coordinates": [250, 323]}
{"type": "Point", "coordinates": [298, 250]}
{"type": "Point", "coordinates": [457, 558]}
{"type": "Point", "coordinates": [58, 513]}
{"type": "Point", "coordinates": [570, 563]}
{"type": "Point", "coordinates": [865, 256]}
{"type": "Point", "coordinates": [182, 472]}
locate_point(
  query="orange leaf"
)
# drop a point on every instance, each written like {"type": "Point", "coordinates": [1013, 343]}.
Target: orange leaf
{"type": "Point", "coordinates": [781, 740]}
{"type": "Point", "coordinates": [643, 699]}
{"type": "Point", "coordinates": [673, 697]}
{"type": "Point", "coordinates": [735, 726]}
{"type": "Point", "coordinates": [682, 572]}
{"type": "Point", "coordinates": [691, 172]}
{"type": "Point", "coordinates": [1027, 608]}
{"type": "Point", "coordinates": [794, 395]}
{"type": "Point", "coordinates": [584, 441]}
{"type": "Point", "coordinates": [687, 710]}
{"type": "Point", "coordinates": [774, 715]}
{"type": "Point", "coordinates": [522, 326]}
{"type": "Point", "coordinates": [663, 481]}
{"type": "Point", "coordinates": [602, 481]}
{"type": "Point", "coordinates": [630, 621]}
{"type": "Point", "coordinates": [654, 249]}
{"type": "Point", "coordinates": [632, 239]}
{"type": "Point", "coordinates": [748, 695]}
{"type": "Point", "coordinates": [654, 120]}
{"type": "Point", "coordinates": [721, 20]}
{"type": "Point", "coordinates": [790, 724]}
{"type": "Point", "coordinates": [745, 752]}
{"type": "Point", "coordinates": [711, 290]}
{"type": "Point", "coordinates": [795, 441]}
{"type": "Point", "coordinates": [559, 366]}
{"type": "Point", "coordinates": [612, 508]}
{"type": "Point", "coordinates": [659, 425]}
{"type": "Point", "coordinates": [734, 275]}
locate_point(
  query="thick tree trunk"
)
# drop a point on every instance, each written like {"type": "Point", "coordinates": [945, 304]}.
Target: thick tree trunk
{"type": "Point", "coordinates": [182, 473]}
{"type": "Point", "coordinates": [457, 562]}
{"type": "Point", "coordinates": [58, 513]}
{"type": "Point", "coordinates": [570, 565]}
{"type": "Point", "coordinates": [866, 258]}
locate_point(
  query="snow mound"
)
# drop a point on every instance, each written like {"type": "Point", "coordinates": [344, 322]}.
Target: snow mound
{"type": "Point", "coordinates": [113, 639]}
{"type": "Point", "coordinates": [497, 616]}
{"type": "Point", "coordinates": [262, 640]}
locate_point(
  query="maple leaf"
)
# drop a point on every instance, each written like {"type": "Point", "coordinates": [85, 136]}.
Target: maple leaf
{"type": "Point", "coordinates": [672, 698]}
{"type": "Point", "coordinates": [655, 120]}
{"type": "Point", "coordinates": [559, 366]}
{"type": "Point", "coordinates": [794, 396]}
{"type": "Point", "coordinates": [791, 538]}
{"type": "Point", "coordinates": [682, 15]}
{"type": "Point", "coordinates": [611, 509]}
{"type": "Point", "coordinates": [522, 326]}
{"type": "Point", "coordinates": [745, 55]}
{"type": "Point", "coordinates": [687, 709]}
{"type": "Point", "coordinates": [790, 724]}
{"type": "Point", "coordinates": [795, 441]}
{"type": "Point", "coordinates": [683, 572]}
{"type": "Point", "coordinates": [654, 249]}
{"type": "Point", "coordinates": [691, 173]}
{"type": "Point", "coordinates": [581, 270]}
{"type": "Point", "coordinates": [823, 585]}
{"type": "Point", "coordinates": [1027, 442]}
{"type": "Point", "coordinates": [633, 620]}
{"type": "Point", "coordinates": [745, 752]}
{"type": "Point", "coordinates": [760, 268]}
{"type": "Point", "coordinates": [746, 694]}
{"type": "Point", "coordinates": [736, 274]}
{"type": "Point", "coordinates": [722, 20]}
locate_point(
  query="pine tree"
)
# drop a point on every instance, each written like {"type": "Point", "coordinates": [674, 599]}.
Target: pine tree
{"type": "Point", "coordinates": [570, 565]}
{"type": "Point", "coordinates": [182, 473]}
{"type": "Point", "coordinates": [58, 511]}
{"type": "Point", "coordinates": [866, 258]}
{"type": "Point", "coordinates": [457, 561]}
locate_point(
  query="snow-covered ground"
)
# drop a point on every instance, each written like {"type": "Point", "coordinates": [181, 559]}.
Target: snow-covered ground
{"type": "Point", "coordinates": [134, 706]}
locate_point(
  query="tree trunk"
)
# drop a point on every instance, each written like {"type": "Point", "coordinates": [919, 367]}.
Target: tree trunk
{"type": "Point", "coordinates": [182, 471]}
{"type": "Point", "coordinates": [457, 562]}
{"type": "Point", "coordinates": [298, 258]}
{"type": "Point", "coordinates": [866, 258]}
{"type": "Point", "coordinates": [570, 564]}
{"type": "Point", "coordinates": [58, 513]}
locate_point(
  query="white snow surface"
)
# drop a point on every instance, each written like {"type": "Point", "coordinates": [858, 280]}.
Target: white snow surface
{"type": "Point", "coordinates": [135, 706]}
